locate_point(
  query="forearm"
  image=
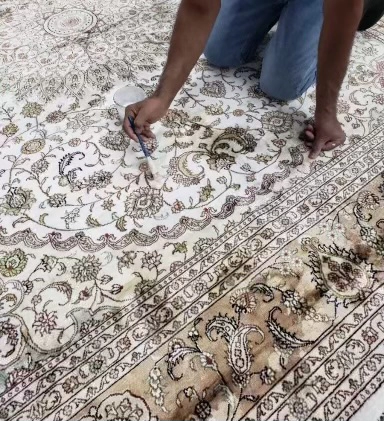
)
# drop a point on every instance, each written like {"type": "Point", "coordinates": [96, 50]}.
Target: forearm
{"type": "Point", "coordinates": [193, 25]}
{"type": "Point", "coordinates": [341, 20]}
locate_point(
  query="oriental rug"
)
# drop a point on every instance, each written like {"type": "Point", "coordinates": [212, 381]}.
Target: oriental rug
{"type": "Point", "coordinates": [245, 282]}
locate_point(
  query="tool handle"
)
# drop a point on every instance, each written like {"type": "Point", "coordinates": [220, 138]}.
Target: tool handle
{"type": "Point", "coordinates": [141, 141]}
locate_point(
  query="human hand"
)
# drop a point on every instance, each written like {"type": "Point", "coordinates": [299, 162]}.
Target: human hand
{"type": "Point", "coordinates": [144, 113]}
{"type": "Point", "coordinates": [326, 134]}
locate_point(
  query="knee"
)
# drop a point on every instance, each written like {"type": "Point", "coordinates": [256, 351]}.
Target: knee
{"type": "Point", "coordinates": [220, 57]}
{"type": "Point", "coordinates": [282, 87]}
{"type": "Point", "coordinates": [282, 90]}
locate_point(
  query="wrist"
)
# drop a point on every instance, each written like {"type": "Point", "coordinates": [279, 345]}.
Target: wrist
{"type": "Point", "coordinates": [326, 101]}
{"type": "Point", "coordinates": [326, 114]}
{"type": "Point", "coordinates": [165, 99]}
{"type": "Point", "coordinates": [165, 90]}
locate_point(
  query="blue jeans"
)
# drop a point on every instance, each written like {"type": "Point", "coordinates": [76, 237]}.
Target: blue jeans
{"type": "Point", "coordinates": [290, 60]}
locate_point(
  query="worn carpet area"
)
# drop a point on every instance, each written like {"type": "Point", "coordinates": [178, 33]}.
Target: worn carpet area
{"type": "Point", "coordinates": [244, 282]}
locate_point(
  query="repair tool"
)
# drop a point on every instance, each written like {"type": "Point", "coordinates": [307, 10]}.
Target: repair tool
{"type": "Point", "coordinates": [147, 155]}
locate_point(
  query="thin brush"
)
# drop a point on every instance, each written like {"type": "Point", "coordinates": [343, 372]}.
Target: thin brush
{"type": "Point", "coordinates": [147, 155]}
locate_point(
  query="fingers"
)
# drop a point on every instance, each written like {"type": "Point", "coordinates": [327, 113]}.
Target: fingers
{"type": "Point", "coordinates": [141, 121]}
{"type": "Point", "coordinates": [332, 144]}
{"type": "Point", "coordinates": [146, 138]}
{"type": "Point", "coordinates": [128, 129]}
{"type": "Point", "coordinates": [310, 128]}
{"type": "Point", "coordinates": [129, 112]}
{"type": "Point", "coordinates": [141, 125]}
{"type": "Point", "coordinates": [147, 133]}
{"type": "Point", "coordinates": [309, 135]}
{"type": "Point", "coordinates": [319, 143]}
{"type": "Point", "coordinates": [144, 130]}
{"type": "Point", "coordinates": [317, 147]}
{"type": "Point", "coordinates": [323, 146]}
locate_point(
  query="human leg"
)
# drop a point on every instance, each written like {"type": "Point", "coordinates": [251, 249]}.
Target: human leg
{"type": "Point", "coordinates": [290, 61]}
{"type": "Point", "coordinates": [239, 29]}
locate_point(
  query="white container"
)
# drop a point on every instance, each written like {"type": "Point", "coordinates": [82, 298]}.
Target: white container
{"type": "Point", "coordinates": [125, 96]}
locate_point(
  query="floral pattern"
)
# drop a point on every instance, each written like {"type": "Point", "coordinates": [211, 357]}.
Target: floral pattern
{"type": "Point", "coordinates": [13, 263]}
{"type": "Point", "coordinates": [242, 282]}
